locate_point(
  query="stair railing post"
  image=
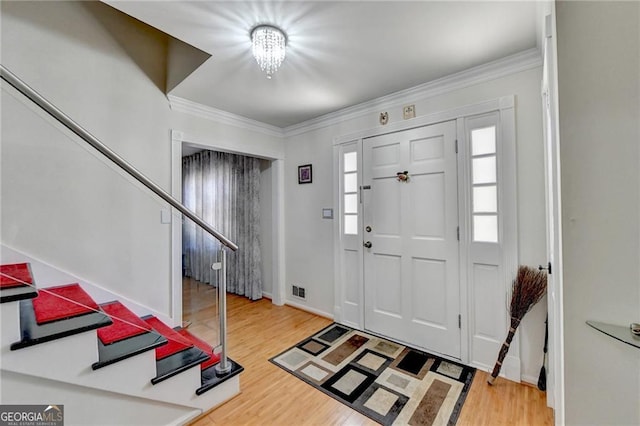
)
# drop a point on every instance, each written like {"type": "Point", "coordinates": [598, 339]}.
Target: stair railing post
{"type": "Point", "coordinates": [223, 367]}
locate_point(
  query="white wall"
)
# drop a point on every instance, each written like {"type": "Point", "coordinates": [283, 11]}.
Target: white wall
{"type": "Point", "coordinates": [62, 204]}
{"type": "Point", "coordinates": [599, 108]}
{"type": "Point", "coordinates": [81, 407]}
{"type": "Point", "coordinates": [309, 238]}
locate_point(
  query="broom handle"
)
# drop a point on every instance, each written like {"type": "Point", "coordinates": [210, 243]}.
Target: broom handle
{"type": "Point", "coordinates": [503, 350]}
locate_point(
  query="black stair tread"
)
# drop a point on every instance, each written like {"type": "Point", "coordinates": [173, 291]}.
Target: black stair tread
{"type": "Point", "coordinates": [33, 333]}
{"type": "Point", "coordinates": [210, 379]}
{"type": "Point", "coordinates": [14, 294]}
{"type": "Point", "coordinates": [126, 348]}
{"type": "Point", "coordinates": [177, 363]}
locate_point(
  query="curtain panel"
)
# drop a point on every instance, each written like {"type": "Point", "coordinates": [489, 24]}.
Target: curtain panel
{"type": "Point", "coordinates": [224, 190]}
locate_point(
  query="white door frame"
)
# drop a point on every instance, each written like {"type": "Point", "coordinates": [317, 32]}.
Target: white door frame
{"type": "Point", "coordinates": [555, 381]}
{"type": "Point", "coordinates": [353, 315]}
{"type": "Point", "coordinates": [277, 163]}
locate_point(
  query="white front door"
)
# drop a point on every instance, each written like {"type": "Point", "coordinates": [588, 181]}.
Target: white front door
{"type": "Point", "coordinates": [411, 269]}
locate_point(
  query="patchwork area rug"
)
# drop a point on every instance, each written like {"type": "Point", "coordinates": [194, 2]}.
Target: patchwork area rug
{"type": "Point", "coordinates": [386, 381]}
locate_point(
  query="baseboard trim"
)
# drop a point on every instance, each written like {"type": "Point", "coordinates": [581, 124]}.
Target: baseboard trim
{"type": "Point", "coordinates": [529, 380]}
{"type": "Point", "coordinates": [308, 309]}
{"type": "Point", "coordinates": [187, 418]}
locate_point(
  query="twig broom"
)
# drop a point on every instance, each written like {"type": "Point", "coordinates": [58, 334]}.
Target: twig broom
{"type": "Point", "coordinates": [527, 290]}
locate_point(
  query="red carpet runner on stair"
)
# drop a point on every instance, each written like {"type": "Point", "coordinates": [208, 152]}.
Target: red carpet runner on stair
{"type": "Point", "coordinates": [125, 324]}
{"type": "Point", "coordinates": [203, 346]}
{"type": "Point", "coordinates": [16, 275]}
{"type": "Point", "coordinates": [66, 301]}
{"type": "Point", "coordinates": [176, 343]}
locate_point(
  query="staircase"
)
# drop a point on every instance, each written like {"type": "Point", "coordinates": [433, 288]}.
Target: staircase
{"type": "Point", "coordinates": [60, 346]}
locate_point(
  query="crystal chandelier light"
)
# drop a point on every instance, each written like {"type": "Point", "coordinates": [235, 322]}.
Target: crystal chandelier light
{"type": "Point", "coordinates": [268, 47]}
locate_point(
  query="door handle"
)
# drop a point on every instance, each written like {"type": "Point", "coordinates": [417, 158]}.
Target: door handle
{"type": "Point", "coordinates": [367, 244]}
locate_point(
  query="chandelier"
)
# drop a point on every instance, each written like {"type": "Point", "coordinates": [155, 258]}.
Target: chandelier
{"type": "Point", "coordinates": [268, 47]}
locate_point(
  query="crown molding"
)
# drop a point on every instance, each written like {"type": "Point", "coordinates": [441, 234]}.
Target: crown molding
{"type": "Point", "coordinates": [512, 64]}
{"type": "Point", "coordinates": [223, 117]}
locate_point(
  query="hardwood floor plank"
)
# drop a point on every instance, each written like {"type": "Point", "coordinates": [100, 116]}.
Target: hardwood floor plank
{"type": "Point", "coordinates": [260, 330]}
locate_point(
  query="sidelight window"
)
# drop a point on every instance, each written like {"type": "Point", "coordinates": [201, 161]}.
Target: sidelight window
{"type": "Point", "coordinates": [484, 184]}
{"type": "Point", "coordinates": [350, 192]}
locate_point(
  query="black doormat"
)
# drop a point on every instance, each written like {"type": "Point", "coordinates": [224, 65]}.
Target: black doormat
{"type": "Point", "coordinates": [389, 382]}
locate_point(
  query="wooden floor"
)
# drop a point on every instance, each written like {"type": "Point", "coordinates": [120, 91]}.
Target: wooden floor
{"type": "Point", "coordinates": [269, 396]}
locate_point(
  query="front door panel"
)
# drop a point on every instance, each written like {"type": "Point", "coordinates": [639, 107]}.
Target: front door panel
{"type": "Point", "coordinates": [412, 286]}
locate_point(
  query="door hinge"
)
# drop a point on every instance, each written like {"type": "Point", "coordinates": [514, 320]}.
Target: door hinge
{"type": "Point", "coordinates": [458, 233]}
{"type": "Point", "coordinates": [459, 321]}
{"type": "Point", "coordinates": [456, 146]}
{"type": "Point", "coordinates": [362, 188]}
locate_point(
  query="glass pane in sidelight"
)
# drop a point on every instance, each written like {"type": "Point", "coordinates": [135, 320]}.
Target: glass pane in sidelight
{"type": "Point", "coordinates": [351, 203]}
{"type": "Point", "coordinates": [351, 224]}
{"type": "Point", "coordinates": [350, 161]}
{"type": "Point", "coordinates": [485, 229]}
{"type": "Point", "coordinates": [351, 182]}
{"type": "Point", "coordinates": [485, 199]}
{"type": "Point", "coordinates": [484, 170]}
{"type": "Point", "coordinates": [483, 141]}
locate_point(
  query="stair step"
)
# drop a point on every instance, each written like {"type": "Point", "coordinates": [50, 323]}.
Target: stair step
{"type": "Point", "coordinates": [126, 324]}
{"type": "Point", "coordinates": [177, 363]}
{"type": "Point", "coordinates": [17, 293]}
{"type": "Point", "coordinates": [16, 282]}
{"type": "Point", "coordinates": [210, 379]}
{"type": "Point", "coordinates": [15, 275]}
{"type": "Point", "coordinates": [176, 344]}
{"type": "Point", "coordinates": [127, 348]}
{"type": "Point", "coordinates": [176, 356]}
{"type": "Point", "coordinates": [203, 346]}
{"type": "Point", "coordinates": [62, 302]}
{"type": "Point", "coordinates": [33, 333]}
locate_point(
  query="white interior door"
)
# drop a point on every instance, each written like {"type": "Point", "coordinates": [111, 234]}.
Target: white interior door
{"type": "Point", "coordinates": [411, 269]}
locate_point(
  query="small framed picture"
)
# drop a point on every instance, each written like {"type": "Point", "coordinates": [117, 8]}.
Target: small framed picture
{"type": "Point", "coordinates": [304, 174]}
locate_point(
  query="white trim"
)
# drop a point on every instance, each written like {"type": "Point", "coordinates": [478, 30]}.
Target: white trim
{"type": "Point", "coordinates": [243, 147]}
{"type": "Point", "coordinates": [278, 284]}
{"type": "Point", "coordinates": [427, 120]}
{"type": "Point", "coordinates": [192, 415]}
{"type": "Point", "coordinates": [508, 219]}
{"type": "Point", "coordinates": [464, 206]}
{"type": "Point", "coordinates": [308, 309]}
{"type": "Point", "coordinates": [176, 229]}
{"type": "Point", "coordinates": [277, 200]}
{"type": "Point", "coordinates": [555, 371]}
{"type": "Point", "coordinates": [531, 380]}
{"type": "Point", "coordinates": [338, 298]}
{"type": "Point", "coordinates": [504, 107]}
{"type": "Point", "coordinates": [518, 62]}
{"type": "Point", "coordinates": [223, 117]}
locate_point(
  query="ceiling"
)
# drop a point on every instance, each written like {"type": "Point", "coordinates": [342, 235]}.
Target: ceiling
{"type": "Point", "coordinates": [339, 54]}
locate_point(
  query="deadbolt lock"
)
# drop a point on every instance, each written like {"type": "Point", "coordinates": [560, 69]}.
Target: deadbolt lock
{"type": "Point", "coordinates": [368, 229]}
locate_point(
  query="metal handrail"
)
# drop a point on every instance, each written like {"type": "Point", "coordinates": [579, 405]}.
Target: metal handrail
{"type": "Point", "coordinates": [56, 113]}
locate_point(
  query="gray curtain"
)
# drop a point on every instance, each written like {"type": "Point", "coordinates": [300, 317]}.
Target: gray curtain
{"type": "Point", "coordinates": [224, 190]}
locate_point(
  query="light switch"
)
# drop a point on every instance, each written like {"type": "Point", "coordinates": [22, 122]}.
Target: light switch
{"type": "Point", "coordinates": [327, 213]}
{"type": "Point", "coordinates": [165, 216]}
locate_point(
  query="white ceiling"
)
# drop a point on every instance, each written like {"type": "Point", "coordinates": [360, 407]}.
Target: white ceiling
{"type": "Point", "coordinates": [339, 54]}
